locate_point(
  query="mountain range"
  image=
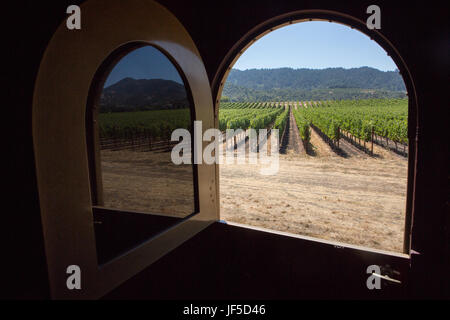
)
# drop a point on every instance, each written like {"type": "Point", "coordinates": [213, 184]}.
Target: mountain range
{"type": "Point", "coordinates": [131, 94]}
{"type": "Point", "coordinates": [282, 84]}
{"type": "Point", "coordinates": [297, 84]}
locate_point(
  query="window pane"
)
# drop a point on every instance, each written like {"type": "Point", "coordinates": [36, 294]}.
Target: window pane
{"type": "Point", "coordinates": [142, 102]}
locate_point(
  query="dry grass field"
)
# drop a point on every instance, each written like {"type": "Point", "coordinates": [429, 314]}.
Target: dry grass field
{"type": "Point", "coordinates": [147, 182]}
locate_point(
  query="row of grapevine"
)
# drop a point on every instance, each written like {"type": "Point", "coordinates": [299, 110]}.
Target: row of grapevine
{"type": "Point", "coordinates": [252, 118]}
{"type": "Point", "coordinates": [281, 120]}
{"type": "Point", "coordinates": [387, 117]}
{"type": "Point", "coordinates": [327, 124]}
{"type": "Point", "coordinates": [263, 120]}
{"type": "Point", "coordinates": [255, 105]}
{"type": "Point", "coordinates": [304, 127]}
{"type": "Point", "coordinates": [157, 124]}
{"type": "Point", "coordinates": [247, 105]}
{"type": "Point", "coordinates": [247, 118]}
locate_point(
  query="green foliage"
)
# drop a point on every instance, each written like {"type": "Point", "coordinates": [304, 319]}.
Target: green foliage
{"type": "Point", "coordinates": [239, 94]}
{"type": "Point", "coordinates": [286, 84]}
{"type": "Point", "coordinates": [157, 124]}
{"type": "Point", "coordinates": [304, 127]}
{"type": "Point", "coordinates": [224, 99]}
{"type": "Point", "coordinates": [281, 120]}
{"type": "Point", "coordinates": [246, 115]}
{"type": "Point", "coordinates": [309, 79]}
{"type": "Point", "coordinates": [263, 120]}
{"type": "Point", "coordinates": [387, 117]}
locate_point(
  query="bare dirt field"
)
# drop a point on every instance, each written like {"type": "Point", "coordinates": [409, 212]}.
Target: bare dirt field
{"type": "Point", "coordinates": [357, 200]}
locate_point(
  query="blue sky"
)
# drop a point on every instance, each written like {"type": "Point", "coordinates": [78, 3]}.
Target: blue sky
{"type": "Point", "coordinates": [315, 45]}
{"type": "Point", "coordinates": [144, 63]}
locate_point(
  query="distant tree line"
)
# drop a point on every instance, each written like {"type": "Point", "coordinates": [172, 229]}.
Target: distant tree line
{"type": "Point", "coordinates": [284, 78]}
{"type": "Point", "coordinates": [131, 108]}
{"type": "Point", "coordinates": [285, 84]}
{"type": "Point", "coordinates": [235, 93]}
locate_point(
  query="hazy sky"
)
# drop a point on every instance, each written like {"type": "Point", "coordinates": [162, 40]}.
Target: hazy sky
{"type": "Point", "coordinates": [315, 45]}
{"type": "Point", "coordinates": [144, 63]}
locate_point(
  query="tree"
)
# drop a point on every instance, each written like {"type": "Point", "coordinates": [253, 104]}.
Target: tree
{"type": "Point", "coordinates": [224, 99]}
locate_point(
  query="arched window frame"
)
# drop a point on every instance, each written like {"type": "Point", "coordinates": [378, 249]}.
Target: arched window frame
{"type": "Point", "coordinates": [61, 92]}
{"type": "Point", "coordinates": [300, 16]}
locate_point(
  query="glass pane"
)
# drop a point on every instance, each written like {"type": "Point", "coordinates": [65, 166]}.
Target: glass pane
{"type": "Point", "coordinates": [142, 102]}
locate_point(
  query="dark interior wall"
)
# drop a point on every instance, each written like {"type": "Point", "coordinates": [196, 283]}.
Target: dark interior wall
{"type": "Point", "coordinates": [229, 262]}
{"type": "Point", "coordinates": [419, 30]}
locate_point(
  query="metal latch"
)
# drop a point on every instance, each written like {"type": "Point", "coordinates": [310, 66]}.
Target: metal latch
{"type": "Point", "coordinates": [388, 274]}
{"type": "Point", "coordinates": [386, 277]}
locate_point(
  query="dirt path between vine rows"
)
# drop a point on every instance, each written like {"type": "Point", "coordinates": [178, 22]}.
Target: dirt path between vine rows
{"type": "Point", "coordinates": [292, 142]}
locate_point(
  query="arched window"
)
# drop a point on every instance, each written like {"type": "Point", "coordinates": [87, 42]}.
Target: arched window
{"type": "Point", "coordinates": [111, 202]}
{"type": "Point", "coordinates": [346, 161]}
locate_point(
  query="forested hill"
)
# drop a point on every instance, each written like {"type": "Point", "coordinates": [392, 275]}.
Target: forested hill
{"type": "Point", "coordinates": [331, 83]}
{"type": "Point", "coordinates": [144, 94]}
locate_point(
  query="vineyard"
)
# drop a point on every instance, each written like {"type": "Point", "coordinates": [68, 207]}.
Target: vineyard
{"type": "Point", "coordinates": [323, 194]}
{"type": "Point", "coordinates": [357, 121]}
{"type": "Point", "coordinates": [360, 122]}
{"type": "Point", "coordinates": [347, 183]}
{"type": "Point", "coordinates": [151, 130]}
{"type": "Point", "coordinates": [141, 130]}
{"type": "Point", "coordinates": [248, 115]}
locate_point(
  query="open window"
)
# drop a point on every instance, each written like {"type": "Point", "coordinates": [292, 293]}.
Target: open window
{"type": "Point", "coordinates": [249, 208]}
{"type": "Point", "coordinates": [113, 213]}
{"type": "Point", "coordinates": [343, 137]}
